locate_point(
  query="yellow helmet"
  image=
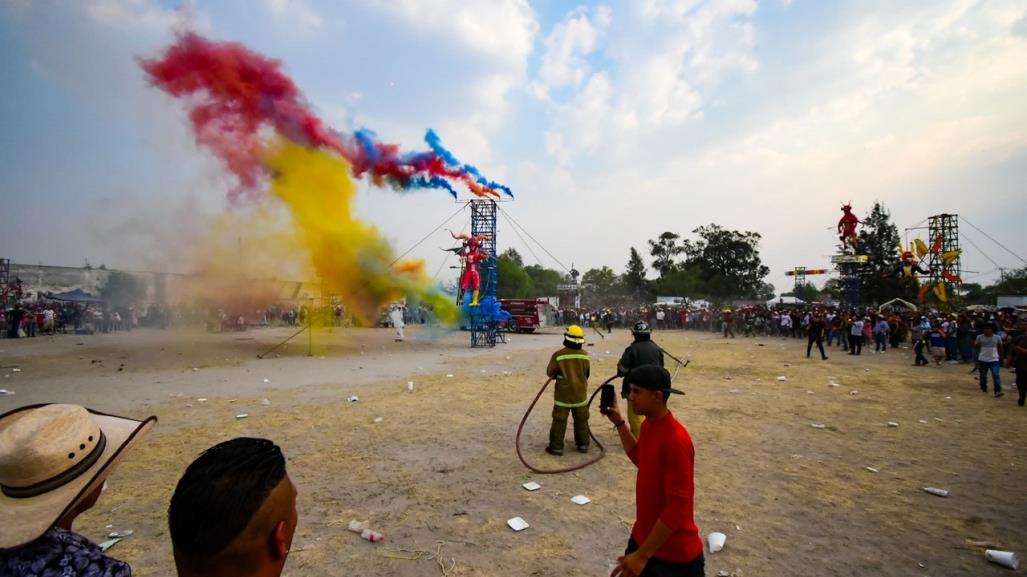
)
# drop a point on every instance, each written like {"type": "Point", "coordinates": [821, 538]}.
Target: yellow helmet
{"type": "Point", "coordinates": [574, 334]}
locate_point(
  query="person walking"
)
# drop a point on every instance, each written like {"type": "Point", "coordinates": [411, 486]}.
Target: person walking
{"type": "Point", "coordinates": [569, 367]}
{"type": "Point", "coordinates": [815, 334]}
{"type": "Point", "coordinates": [989, 351]}
{"type": "Point", "coordinates": [643, 351]}
{"type": "Point", "coordinates": [1018, 359]}
{"type": "Point", "coordinates": [881, 329]}
{"type": "Point", "coordinates": [856, 336]}
{"type": "Point", "coordinates": [396, 317]}
{"type": "Point", "coordinates": [664, 539]}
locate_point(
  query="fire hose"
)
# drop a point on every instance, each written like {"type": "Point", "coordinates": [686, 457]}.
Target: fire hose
{"type": "Point", "coordinates": [520, 428]}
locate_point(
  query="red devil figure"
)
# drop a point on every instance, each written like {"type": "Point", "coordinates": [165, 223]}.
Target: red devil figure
{"type": "Point", "coordinates": [847, 227]}
{"type": "Point", "coordinates": [470, 279]}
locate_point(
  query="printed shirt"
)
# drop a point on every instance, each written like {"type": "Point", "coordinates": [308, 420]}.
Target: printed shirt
{"type": "Point", "coordinates": [665, 488]}
{"type": "Point", "coordinates": [989, 348]}
{"type": "Point", "coordinates": [60, 553]}
{"type": "Point", "coordinates": [937, 338]}
{"type": "Point", "coordinates": [570, 368]}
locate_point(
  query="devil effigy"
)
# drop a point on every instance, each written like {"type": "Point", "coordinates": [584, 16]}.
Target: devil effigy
{"type": "Point", "coordinates": [847, 227]}
{"type": "Point", "coordinates": [471, 255]}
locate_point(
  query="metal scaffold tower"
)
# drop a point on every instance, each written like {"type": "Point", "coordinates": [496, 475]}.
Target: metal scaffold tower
{"type": "Point", "coordinates": [943, 229]}
{"type": "Point", "coordinates": [484, 325]}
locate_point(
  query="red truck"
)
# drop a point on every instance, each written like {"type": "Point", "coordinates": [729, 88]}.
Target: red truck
{"type": "Point", "coordinates": [526, 314]}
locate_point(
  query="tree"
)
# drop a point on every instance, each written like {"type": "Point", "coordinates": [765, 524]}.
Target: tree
{"type": "Point", "coordinates": [765, 291]}
{"type": "Point", "coordinates": [685, 280]}
{"type": "Point", "coordinates": [544, 280]}
{"type": "Point", "coordinates": [634, 277]}
{"type": "Point", "coordinates": [515, 256]}
{"type": "Point", "coordinates": [728, 261]}
{"type": "Point", "coordinates": [879, 240]}
{"type": "Point", "coordinates": [805, 292]}
{"type": "Point", "coordinates": [601, 286]}
{"type": "Point", "coordinates": [122, 290]}
{"type": "Point", "coordinates": [664, 250]}
{"type": "Point", "coordinates": [511, 280]}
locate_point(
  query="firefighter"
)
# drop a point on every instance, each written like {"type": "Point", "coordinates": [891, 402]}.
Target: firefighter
{"type": "Point", "coordinates": [642, 351]}
{"type": "Point", "coordinates": [569, 367]}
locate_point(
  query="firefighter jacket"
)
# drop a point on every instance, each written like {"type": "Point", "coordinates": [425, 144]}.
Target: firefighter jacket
{"type": "Point", "coordinates": [638, 353]}
{"type": "Point", "coordinates": [570, 368]}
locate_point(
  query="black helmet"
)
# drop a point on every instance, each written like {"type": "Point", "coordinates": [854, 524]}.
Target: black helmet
{"type": "Point", "coordinates": [640, 328]}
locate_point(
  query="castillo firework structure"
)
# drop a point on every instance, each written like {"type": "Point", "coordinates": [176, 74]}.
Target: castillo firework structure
{"type": "Point", "coordinates": [800, 273]}
{"type": "Point", "coordinates": [484, 317]}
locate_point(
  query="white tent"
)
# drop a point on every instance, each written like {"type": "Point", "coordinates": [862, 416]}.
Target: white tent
{"type": "Point", "coordinates": [783, 300]}
{"type": "Point", "coordinates": [895, 303]}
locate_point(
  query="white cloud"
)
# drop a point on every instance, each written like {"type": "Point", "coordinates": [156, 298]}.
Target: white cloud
{"type": "Point", "coordinates": [503, 30]}
{"type": "Point", "coordinates": [297, 11]}
{"type": "Point", "coordinates": [664, 60]}
{"type": "Point", "coordinates": [567, 48]}
{"type": "Point", "coordinates": [132, 13]}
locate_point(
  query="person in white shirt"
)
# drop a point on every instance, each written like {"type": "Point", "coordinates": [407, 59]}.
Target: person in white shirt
{"type": "Point", "coordinates": [989, 355]}
{"type": "Point", "coordinates": [396, 316]}
{"type": "Point", "coordinates": [856, 337]}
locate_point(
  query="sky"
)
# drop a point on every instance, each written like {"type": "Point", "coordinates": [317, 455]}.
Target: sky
{"type": "Point", "coordinates": [611, 121]}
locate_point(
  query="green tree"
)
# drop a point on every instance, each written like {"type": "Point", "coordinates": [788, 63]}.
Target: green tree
{"type": "Point", "coordinates": [1011, 283]}
{"type": "Point", "coordinates": [764, 292]}
{"type": "Point", "coordinates": [122, 289]}
{"type": "Point", "coordinates": [664, 251]}
{"type": "Point", "coordinates": [683, 280]}
{"type": "Point", "coordinates": [601, 287]}
{"type": "Point", "coordinates": [512, 282]}
{"type": "Point", "coordinates": [544, 280]}
{"type": "Point", "coordinates": [728, 261]}
{"type": "Point", "coordinates": [634, 281]}
{"type": "Point", "coordinates": [879, 240]}
{"type": "Point", "coordinates": [805, 292]}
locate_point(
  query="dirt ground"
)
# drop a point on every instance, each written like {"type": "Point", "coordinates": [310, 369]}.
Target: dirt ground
{"type": "Point", "coordinates": [440, 477]}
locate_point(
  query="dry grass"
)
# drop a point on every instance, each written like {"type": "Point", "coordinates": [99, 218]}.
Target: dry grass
{"type": "Point", "coordinates": [441, 469]}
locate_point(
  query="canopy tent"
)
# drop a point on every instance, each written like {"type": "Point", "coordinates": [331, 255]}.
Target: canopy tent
{"type": "Point", "coordinates": [785, 300]}
{"type": "Point", "coordinates": [898, 303]}
{"type": "Point", "coordinates": [74, 296]}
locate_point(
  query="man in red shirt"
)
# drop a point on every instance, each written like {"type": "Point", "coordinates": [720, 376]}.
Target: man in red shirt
{"type": "Point", "coordinates": [664, 540]}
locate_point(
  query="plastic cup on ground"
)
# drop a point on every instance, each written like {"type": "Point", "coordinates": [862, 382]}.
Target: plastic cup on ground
{"type": "Point", "coordinates": [716, 541]}
{"type": "Point", "coordinates": [1003, 558]}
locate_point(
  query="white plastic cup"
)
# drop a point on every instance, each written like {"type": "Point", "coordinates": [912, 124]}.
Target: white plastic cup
{"type": "Point", "coordinates": [372, 536]}
{"type": "Point", "coordinates": [716, 541]}
{"type": "Point", "coordinates": [1003, 558]}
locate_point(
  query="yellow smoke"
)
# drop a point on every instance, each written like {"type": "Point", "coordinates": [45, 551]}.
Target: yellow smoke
{"type": "Point", "coordinates": [349, 257]}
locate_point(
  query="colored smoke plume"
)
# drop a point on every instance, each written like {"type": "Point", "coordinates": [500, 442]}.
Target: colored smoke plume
{"type": "Point", "coordinates": [245, 110]}
{"type": "Point", "coordinates": [234, 95]}
{"type": "Point", "coordinates": [317, 189]}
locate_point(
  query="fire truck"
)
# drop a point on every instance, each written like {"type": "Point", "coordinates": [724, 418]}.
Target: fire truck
{"type": "Point", "coordinates": [527, 314]}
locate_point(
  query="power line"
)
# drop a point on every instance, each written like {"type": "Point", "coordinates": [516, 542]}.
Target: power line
{"type": "Point", "coordinates": [459, 210]}
{"type": "Point", "coordinates": [993, 240]}
{"type": "Point", "coordinates": [526, 245]}
{"type": "Point", "coordinates": [517, 224]}
{"type": "Point", "coordinates": [972, 243]}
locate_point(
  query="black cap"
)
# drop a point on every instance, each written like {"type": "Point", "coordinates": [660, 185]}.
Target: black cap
{"type": "Point", "coordinates": [653, 378]}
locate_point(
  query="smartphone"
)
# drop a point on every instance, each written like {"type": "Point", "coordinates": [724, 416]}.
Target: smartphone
{"type": "Point", "coordinates": [606, 398]}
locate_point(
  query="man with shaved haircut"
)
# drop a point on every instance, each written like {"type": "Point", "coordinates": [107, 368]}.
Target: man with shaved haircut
{"type": "Point", "coordinates": [234, 512]}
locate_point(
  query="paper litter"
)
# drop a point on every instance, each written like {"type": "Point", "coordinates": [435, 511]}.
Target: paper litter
{"type": "Point", "coordinates": [517, 524]}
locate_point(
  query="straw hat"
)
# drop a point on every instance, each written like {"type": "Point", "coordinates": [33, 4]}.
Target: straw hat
{"type": "Point", "coordinates": [52, 457]}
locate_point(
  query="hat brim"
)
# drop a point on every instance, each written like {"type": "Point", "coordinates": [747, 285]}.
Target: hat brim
{"type": "Point", "coordinates": [25, 520]}
{"type": "Point", "coordinates": [674, 391]}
